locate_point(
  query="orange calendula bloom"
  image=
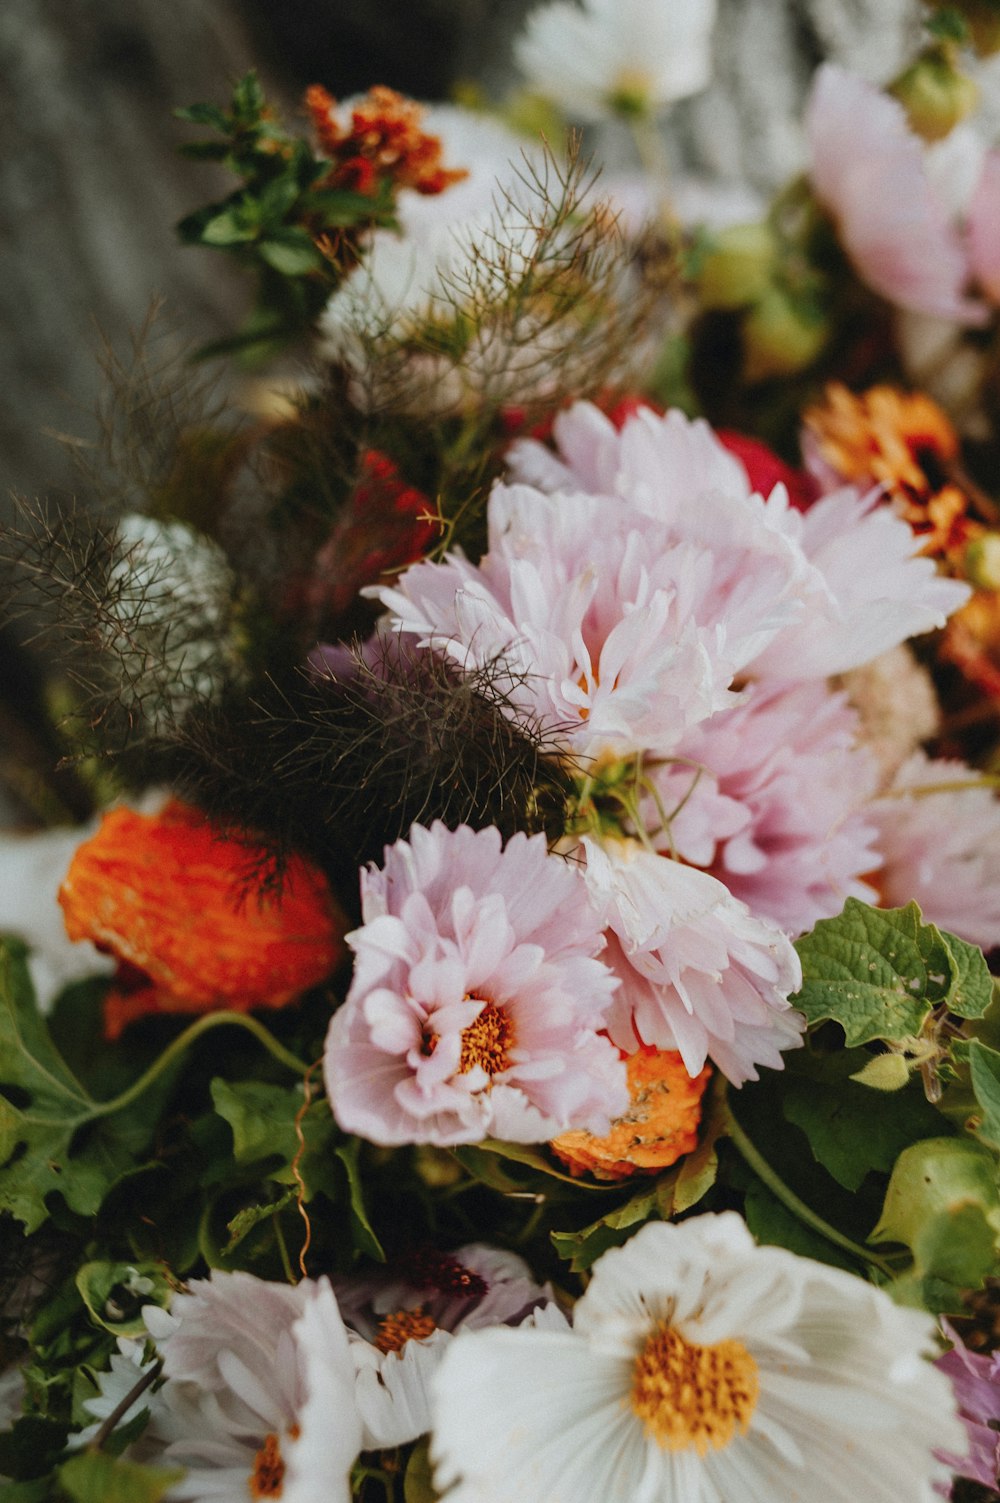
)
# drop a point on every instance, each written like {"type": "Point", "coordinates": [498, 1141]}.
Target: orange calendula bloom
{"type": "Point", "coordinates": [903, 442]}
{"type": "Point", "coordinates": [383, 140]}
{"type": "Point", "coordinates": [166, 894]}
{"type": "Point", "coordinates": [660, 1126]}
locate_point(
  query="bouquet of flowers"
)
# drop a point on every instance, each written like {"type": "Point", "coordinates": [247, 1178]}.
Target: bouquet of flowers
{"type": "Point", "coordinates": [514, 1021]}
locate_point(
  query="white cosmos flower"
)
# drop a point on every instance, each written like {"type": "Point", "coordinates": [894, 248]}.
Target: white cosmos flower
{"type": "Point", "coordinates": [617, 56]}
{"type": "Point", "coordinates": [700, 1369]}
{"type": "Point", "coordinates": [259, 1398]}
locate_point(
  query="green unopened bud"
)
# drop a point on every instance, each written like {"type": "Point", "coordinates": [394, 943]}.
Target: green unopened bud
{"type": "Point", "coordinates": [884, 1072]}
{"type": "Point", "coordinates": [982, 561]}
{"type": "Point", "coordinates": [736, 266]}
{"type": "Point", "coordinates": [780, 336]}
{"type": "Point", "coordinates": [935, 93]}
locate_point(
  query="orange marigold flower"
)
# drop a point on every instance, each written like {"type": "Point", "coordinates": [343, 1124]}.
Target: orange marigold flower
{"type": "Point", "coordinates": [971, 641]}
{"type": "Point", "coordinates": [383, 140]}
{"type": "Point", "coordinates": [166, 894]}
{"type": "Point", "coordinates": [903, 442]}
{"type": "Point", "coordinates": [660, 1126]}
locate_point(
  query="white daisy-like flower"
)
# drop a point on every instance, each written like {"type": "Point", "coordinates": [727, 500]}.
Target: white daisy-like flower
{"type": "Point", "coordinates": [259, 1397]}
{"type": "Point", "coordinates": [700, 1368]}
{"type": "Point", "coordinates": [608, 57]}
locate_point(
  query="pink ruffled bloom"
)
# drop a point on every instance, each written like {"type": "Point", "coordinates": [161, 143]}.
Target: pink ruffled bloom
{"type": "Point", "coordinates": [770, 802]}
{"type": "Point", "coordinates": [477, 1000]}
{"type": "Point", "coordinates": [870, 173]}
{"type": "Point", "coordinates": [942, 848]}
{"type": "Point", "coordinates": [700, 974]}
{"type": "Point", "coordinates": [976, 1381]}
{"type": "Point", "coordinates": [859, 583]}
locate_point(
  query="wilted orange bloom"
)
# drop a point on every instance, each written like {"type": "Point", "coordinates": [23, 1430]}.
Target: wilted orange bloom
{"type": "Point", "coordinates": [903, 442]}
{"type": "Point", "coordinates": [166, 894]}
{"type": "Point", "coordinates": [660, 1126]}
{"type": "Point", "coordinates": [383, 140]}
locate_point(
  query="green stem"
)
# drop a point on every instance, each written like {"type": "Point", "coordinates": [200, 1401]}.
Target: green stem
{"type": "Point", "coordinates": [183, 1042]}
{"type": "Point", "coordinates": [279, 1237]}
{"type": "Point", "coordinates": [755, 1160]}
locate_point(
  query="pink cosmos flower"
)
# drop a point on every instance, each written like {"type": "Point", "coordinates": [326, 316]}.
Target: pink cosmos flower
{"type": "Point", "coordinates": [477, 1000]}
{"type": "Point", "coordinates": [942, 848]}
{"type": "Point", "coordinates": [770, 802]}
{"type": "Point", "coordinates": [869, 172]}
{"type": "Point", "coordinates": [859, 584]}
{"type": "Point", "coordinates": [617, 630]}
{"type": "Point", "coordinates": [700, 974]}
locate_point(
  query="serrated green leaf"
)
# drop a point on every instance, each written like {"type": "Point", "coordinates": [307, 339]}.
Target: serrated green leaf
{"type": "Point", "coordinates": [984, 1068]}
{"type": "Point", "coordinates": [243, 1223]}
{"type": "Point", "coordinates": [972, 985]}
{"type": "Point", "coordinates": [942, 1203]}
{"type": "Point", "coordinates": [96, 1477]}
{"type": "Point", "coordinates": [852, 1129]}
{"type": "Point", "coordinates": [114, 1293]}
{"type": "Point", "coordinates": [876, 972]}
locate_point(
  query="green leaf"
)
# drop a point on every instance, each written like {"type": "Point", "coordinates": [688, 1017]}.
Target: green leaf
{"type": "Point", "coordinates": [984, 1066]}
{"type": "Point", "coordinates": [972, 985]}
{"type": "Point", "coordinates": [204, 114]}
{"type": "Point", "coordinates": [942, 1203]}
{"type": "Point", "coordinates": [95, 1477]}
{"type": "Point", "coordinates": [876, 972]}
{"type": "Point", "coordinates": [534, 1158]}
{"type": "Point", "coordinates": [292, 257]}
{"type": "Point", "coordinates": [275, 201]}
{"type": "Point", "coordinates": [236, 225]}
{"type": "Point", "coordinates": [581, 1249]}
{"type": "Point", "coordinates": [31, 1447]}
{"type": "Point", "coordinates": [852, 1129]}
{"type": "Point", "coordinates": [27, 1492]}
{"type": "Point", "coordinates": [243, 1223]}
{"type": "Point", "coordinates": [365, 1239]}
{"type": "Point", "coordinates": [697, 1171]}
{"type": "Point", "coordinates": [115, 1293]}
{"type": "Point", "coordinates": [418, 1483]}
{"type": "Point", "coordinates": [774, 1224]}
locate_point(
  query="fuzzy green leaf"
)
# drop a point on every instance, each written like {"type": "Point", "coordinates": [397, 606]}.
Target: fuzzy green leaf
{"type": "Point", "coordinates": [972, 985]}
{"type": "Point", "coordinates": [876, 972]}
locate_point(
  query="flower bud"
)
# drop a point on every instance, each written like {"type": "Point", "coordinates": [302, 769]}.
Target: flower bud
{"type": "Point", "coordinates": [736, 266]}
{"type": "Point", "coordinates": [935, 93]}
{"type": "Point", "coordinates": [780, 336]}
{"type": "Point", "coordinates": [982, 561]}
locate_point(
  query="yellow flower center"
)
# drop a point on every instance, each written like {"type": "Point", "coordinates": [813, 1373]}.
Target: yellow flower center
{"type": "Point", "coordinates": [689, 1395]}
{"type": "Point", "coordinates": [267, 1479]}
{"type": "Point", "coordinates": [486, 1041]}
{"type": "Point", "coordinates": [395, 1330]}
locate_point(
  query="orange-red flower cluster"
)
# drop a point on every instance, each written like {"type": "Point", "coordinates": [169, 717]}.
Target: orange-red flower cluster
{"type": "Point", "coordinates": [383, 140]}
{"type": "Point", "coordinates": [166, 894]}
{"type": "Point", "coordinates": [903, 442]}
{"type": "Point", "coordinates": [660, 1126]}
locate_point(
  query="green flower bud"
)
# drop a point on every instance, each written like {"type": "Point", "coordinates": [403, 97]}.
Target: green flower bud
{"type": "Point", "coordinates": [935, 93]}
{"type": "Point", "coordinates": [736, 266]}
{"type": "Point", "coordinates": [780, 336]}
{"type": "Point", "coordinates": [982, 561]}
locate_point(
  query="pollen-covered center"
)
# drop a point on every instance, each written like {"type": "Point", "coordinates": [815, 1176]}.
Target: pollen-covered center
{"type": "Point", "coordinates": [688, 1395]}
{"type": "Point", "coordinates": [267, 1479]}
{"type": "Point", "coordinates": [395, 1330]}
{"type": "Point", "coordinates": [486, 1041]}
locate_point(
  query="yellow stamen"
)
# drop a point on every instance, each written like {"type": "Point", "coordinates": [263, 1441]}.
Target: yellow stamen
{"type": "Point", "coordinates": [689, 1395]}
{"type": "Point", "coordinates": [486, 1041]}
{"type": "Point", "coordinates": [395, 1330]}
